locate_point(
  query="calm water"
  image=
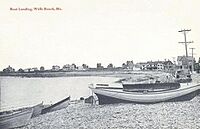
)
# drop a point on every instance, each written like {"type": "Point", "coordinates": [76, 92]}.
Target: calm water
{"type": "Point", "coordinates": [20, 92]}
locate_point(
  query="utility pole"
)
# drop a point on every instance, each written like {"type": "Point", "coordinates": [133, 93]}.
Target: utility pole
{"type": "Point", "coordinates": [174, 61]}
{"type": "Point", "coordinates": [192, 58]}
{"type": "Point", "coordinates": [185, 42]}
{"type": "Point", "coordinates": [192, 51]}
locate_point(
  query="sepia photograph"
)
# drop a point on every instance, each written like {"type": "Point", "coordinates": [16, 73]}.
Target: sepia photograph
{"type": "Point", "coordinates": [99, 64]}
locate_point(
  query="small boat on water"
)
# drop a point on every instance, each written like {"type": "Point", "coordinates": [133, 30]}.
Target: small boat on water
{"type": "Point", "coordinates": [15, 119]}
{"type": "Point", "coordinates": [173, 92]}
{"type": "Point", "coordinates": [57, 106]}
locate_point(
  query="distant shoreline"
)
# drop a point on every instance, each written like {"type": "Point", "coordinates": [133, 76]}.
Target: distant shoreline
{"type": "Point", "coordinates": [65, 74]}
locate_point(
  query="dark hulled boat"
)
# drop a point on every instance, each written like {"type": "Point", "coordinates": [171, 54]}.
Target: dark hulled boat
{"type": "Point", "coordinates": [57, 106]}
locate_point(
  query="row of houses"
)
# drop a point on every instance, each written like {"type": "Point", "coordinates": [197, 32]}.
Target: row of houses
{"type": "Point", "coordinates": [156, 65]}
{"type": "Point", "coordinates": [54, 68]}
{"type": "Point", "coordinates": [128, 65]}
{"type": "Point", "coordinates": [69, 67]}
{"type": "Point", "coordinates": [183, 62]}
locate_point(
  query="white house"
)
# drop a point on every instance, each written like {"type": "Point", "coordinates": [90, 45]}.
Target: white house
{"type": "Point", "coordinates": [55, 68]}
{"type": "Point", "coordinates": [160, 65]}
{"type": "Point", "coordinates": [185, 62]}
{"type": "Point", "coordinates": [69, 67]}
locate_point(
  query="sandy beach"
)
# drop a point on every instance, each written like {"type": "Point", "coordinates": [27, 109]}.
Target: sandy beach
{"type": "Point", "coordinates": [155, 116]}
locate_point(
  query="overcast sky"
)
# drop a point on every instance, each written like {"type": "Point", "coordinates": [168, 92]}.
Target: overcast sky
{"type": "Point", "coordinates": [91, 31]}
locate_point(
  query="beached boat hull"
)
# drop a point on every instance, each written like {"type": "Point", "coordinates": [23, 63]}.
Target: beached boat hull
{"type": "Point", "coordinates": [37, 110]}
{"type": "Point", "coordinates": [18, 119]}
{"type": "Point", "coordinates": [57, 106]}
{"type": "Point", "coordinates": [110, 96]}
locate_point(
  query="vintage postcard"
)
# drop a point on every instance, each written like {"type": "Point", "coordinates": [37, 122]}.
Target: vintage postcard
{"type": "Point", "coordinates": [97, 64]}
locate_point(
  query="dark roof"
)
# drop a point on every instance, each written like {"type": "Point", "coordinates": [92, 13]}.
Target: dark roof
{"type": "Point", "coordinates": [167, 62]}
{"type": "Point", "coordinates": [180, 58]}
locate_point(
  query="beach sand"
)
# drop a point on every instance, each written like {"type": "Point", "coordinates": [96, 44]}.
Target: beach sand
{"type": "Point", "coordinates": [155, 116]}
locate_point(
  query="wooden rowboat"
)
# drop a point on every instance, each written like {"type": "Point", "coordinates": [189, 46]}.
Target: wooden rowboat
{"type": "Point", "coordinates": [37, 109]}
{"type": "Point", "coordinates": [16, 119]}
{"type": "Point", "coordinates": [110, 95]}
{"type": "Point", "coordinates": [57, 106]}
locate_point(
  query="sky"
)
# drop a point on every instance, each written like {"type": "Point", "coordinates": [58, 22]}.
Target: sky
{"type": "Point", "coordinates": [95, 31]}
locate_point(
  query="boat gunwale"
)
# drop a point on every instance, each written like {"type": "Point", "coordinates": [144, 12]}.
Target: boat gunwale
{"type": "Point", "coordinates": [147, 93]}
{"type": "Point", "coordinates": [13, 115]}
{"type": "Point", "coordinates": [56, 104]}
